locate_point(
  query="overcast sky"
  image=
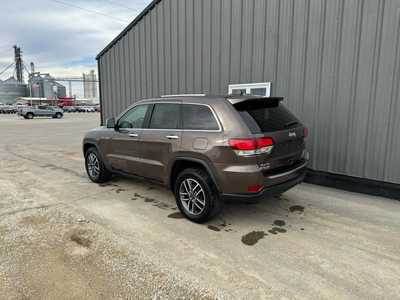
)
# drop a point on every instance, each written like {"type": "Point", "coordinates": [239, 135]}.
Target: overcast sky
{"type": "Point", "coordinates": [59, 37]}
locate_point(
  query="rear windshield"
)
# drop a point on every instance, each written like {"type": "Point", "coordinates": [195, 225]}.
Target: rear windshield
{"type": "Point", "coordinates": [261, 116]}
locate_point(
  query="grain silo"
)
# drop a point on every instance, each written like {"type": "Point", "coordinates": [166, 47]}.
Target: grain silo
{"type": "Point", "coordinates": [11, 89]}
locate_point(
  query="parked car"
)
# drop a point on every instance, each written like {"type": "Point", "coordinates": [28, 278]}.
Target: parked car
{"type": "Point", "coordinates": [205, 149]}
{"type": "Point", "coordinates": [41, 111]}
{"type": "Point", "coordinates": [8, 109]}
{"type": "Point", "coordinates": [85, 109]}
{"type": "Point", "coordinates": [69, 109]}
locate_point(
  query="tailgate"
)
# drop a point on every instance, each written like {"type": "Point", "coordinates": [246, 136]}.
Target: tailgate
{"type": "Point", "coordinates": [269, 118]}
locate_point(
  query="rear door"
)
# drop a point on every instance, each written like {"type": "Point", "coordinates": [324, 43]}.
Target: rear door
{"type": "Point", "coordinates": [160, 140]}
{"type": "Point", "coordinates": [267, 118]}
{"type": "Point", "coordinates": [49, 111]}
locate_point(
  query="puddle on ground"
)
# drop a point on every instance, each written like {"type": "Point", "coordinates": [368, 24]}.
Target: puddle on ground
{"type": "Point", "coordinates": [138, 195]}
{"type": "Point", "coordinates": [276, 230]}
{"type": "Point", "coordinates": [279, 223]}
{"type": "Point", "coordinates": [161, 205]}
{"type": "Point", "coordinates": [147, 200]}
{"type": "Point", "coordinates": [253, 237]}
{"type": "Point", "coordinates": [296, 208]}
{"type": "Point", "coordinates": [133, 199]}
{"type": "Point", "coordinates": [119, 190]}
{"type": "Point", "coordinates": [214, 228]}
{"type": "Point", "coordinates": [176, 215]}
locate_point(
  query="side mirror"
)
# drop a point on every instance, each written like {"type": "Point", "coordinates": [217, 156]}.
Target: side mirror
{"type": "Point", "coordinates": [110, 123]}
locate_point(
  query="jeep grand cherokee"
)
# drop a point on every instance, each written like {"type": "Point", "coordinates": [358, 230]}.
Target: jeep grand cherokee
{"type": "Point", "coordinates": [205, 149]}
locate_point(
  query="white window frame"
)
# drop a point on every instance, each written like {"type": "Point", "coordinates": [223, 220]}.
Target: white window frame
{"type": "Point", "coordinates": [249, 86]}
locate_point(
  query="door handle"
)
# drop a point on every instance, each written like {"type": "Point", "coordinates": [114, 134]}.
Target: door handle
{"type": "Point", "coordinates": [172, 137]}
{"type": "Point", "coordinates": [133, 135]}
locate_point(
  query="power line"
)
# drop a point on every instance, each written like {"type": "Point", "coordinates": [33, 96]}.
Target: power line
{"type": "Point", "coordinates": [90, 10]}
{"type": "Point", "coordinates": [9, 66]}
{"type": "Point", "coordinates": [120, 5]}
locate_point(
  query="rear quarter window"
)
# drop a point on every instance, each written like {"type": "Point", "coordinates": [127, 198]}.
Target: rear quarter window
{"type": "Point", "coordinates": [198, 117]}
{"type": "Point", "coordinates": [263, 117]}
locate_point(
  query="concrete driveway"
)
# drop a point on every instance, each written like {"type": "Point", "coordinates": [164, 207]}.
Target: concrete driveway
{"type": "Point", "coordinates": [311, 243]}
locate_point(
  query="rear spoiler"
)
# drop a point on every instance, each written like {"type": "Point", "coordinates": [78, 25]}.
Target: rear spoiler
{"type": "Point", "coordinates": [242, 99]}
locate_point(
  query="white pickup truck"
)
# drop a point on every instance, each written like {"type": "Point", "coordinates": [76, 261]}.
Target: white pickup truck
{"type": "Point", "coordinates": [41, 111]}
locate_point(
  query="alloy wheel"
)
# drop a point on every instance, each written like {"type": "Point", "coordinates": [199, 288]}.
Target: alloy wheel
{"type": "Point", "coordinates": [93, 165]}
{"type": "Point", "coordinates": [192, 196]}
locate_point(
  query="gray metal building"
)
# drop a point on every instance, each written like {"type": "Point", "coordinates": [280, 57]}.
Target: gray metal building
{"type": "Point", "coordinates": [337, 62]}
{"type": "Point", "coordinates": [11, 89]}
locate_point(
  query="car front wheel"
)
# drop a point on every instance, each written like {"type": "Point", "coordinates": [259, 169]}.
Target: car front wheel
{"type": "Point", "coordinates": [196, 195]}
{"type": "Point", "coordinates": [95, 167]}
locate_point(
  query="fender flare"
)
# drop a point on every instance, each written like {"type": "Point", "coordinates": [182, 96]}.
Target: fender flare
{"type": "Point", "coordinates": [208, 168]}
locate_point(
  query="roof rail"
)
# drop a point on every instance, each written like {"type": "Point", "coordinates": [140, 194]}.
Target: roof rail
{"type": "Point", "coordinates": [184, 95]}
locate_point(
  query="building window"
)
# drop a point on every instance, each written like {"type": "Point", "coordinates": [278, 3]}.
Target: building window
{"type": "Point", "coordinates": [255, 89]}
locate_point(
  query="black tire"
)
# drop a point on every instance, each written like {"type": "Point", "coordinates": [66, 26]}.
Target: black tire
{"type": "Point", "coordinates": [103, 175]}
{"type": "Point", "coordinates": [59, 115]}
{"type": "Point", "coordinates": [29, 115]}
{"type": "Point", "coordinates": [213, 203]}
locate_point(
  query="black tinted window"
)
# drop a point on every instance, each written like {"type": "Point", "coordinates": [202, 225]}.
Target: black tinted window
{"type": "Point", "coordinates": [134, 118]}
{"type": "Point", "coordinates": [198, 117]}
{"type": "Point", "coordinates": [264, 117]}
{"type": "Point", "coordinates": [165, 116]}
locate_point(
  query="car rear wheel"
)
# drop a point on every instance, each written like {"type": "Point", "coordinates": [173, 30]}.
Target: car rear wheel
{"type": "Point", "coordinates": [29, 115]}
{"type": "Point", "coordinates": [59, 115]}
{"type": "Point", "coordinates": [196, 195]}
{"type": "Point", "coordinates": [95, 167]}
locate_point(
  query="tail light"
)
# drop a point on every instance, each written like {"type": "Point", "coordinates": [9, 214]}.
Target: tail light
{"type": "Point", "coordinates": [248, 147]}
{"type": "Point", "coordinates": [254, 188]}
{"type": "Point", "coordinates": [305, 132]}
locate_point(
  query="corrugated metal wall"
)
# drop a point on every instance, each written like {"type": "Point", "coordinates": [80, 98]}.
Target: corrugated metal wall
{"type": "Point", "coordinates": [337, 62]}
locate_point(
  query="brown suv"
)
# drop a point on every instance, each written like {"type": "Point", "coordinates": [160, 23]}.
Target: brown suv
{"type": "Point", "coordinates": [206, 149]}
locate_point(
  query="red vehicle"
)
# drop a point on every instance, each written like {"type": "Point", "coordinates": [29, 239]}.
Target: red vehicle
{"type": "Point", "coordinates": [66, 101]}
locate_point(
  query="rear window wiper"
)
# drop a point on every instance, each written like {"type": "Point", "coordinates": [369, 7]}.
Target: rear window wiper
{"type": "Point", "coordinates": [291, 123]}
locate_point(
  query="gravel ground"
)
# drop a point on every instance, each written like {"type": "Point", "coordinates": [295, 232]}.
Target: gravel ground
{"type": "Point", "coordinates": [56, 253]}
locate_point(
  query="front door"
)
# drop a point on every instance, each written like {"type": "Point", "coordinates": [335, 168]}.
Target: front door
{"type": "Point", "coordinates": [42, 111]}
{"type": "Point", "coordinates": [161, 140]}
{"type": "Point", "coordinates": [125, 142]}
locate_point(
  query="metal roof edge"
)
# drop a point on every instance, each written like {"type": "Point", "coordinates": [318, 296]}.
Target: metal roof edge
{"type": "Point", "coordinates": [129, 27]}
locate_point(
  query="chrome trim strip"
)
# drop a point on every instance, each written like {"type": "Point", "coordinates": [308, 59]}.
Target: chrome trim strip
{"type": "Point", "coordinates": [182, 130]}
{"type": "Point", "coordinates": [184, 95]}
{"type": "Point", "coordinates": [288, 172]}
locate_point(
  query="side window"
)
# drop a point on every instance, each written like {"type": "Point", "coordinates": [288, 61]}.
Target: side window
{"type": "Point", "coordinates": [165, 116]}
{"type": "Point", "coordinates": [134, 118]}
{"type": "Point", "coordinates": [198, 117]}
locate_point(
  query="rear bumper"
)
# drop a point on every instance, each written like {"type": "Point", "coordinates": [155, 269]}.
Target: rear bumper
{"type": "Point", "coordinates": [282, 183]}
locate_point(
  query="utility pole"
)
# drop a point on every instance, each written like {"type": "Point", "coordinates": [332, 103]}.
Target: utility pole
{"type": "Point", "coordinates": [70, 88]}
{"type": "Point", "coordinates": [18, 64]}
